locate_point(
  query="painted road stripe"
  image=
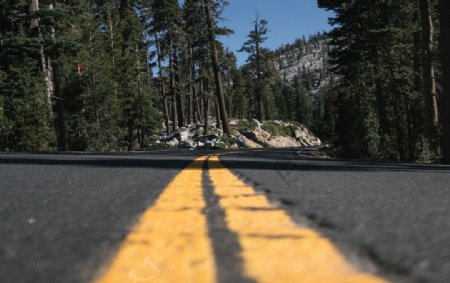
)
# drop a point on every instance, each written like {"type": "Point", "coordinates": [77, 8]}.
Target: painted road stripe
{"type": "Point", "coordinates": [274, 248]}
{"type": "Point", "coordinates": [170, 242]}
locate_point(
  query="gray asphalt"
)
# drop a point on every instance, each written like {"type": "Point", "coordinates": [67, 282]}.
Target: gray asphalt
{"type": "Point", "coordinates": [62, 216]}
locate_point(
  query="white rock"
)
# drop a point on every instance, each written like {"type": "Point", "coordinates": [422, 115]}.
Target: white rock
{"type": "Point", "coordinates": [173, 142]}
{"type": "Point", "coordinates": [184, 134]}
{"type": "Point", "coordinates": [234, 122]}
{"type": "Point", "coordinates": [258, 124]}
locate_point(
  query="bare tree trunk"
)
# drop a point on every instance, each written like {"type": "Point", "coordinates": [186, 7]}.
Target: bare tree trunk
{"type": "Point", "coordinates": [172, 87]}
{"type": "Point", "coordinates": [201, 105]}
{"type": "Point", "coordinates": [53, 83]}
{"type": "Point", "coordinates": [179, 100]}
{"type": "Point", "coordinates": [61, 118]}
{"type": "Point", "coordinates": [191, 111]}
{"type": "Point", "coordinates": [429, 79]}
{"type": "Point", "coordinates": [45, 61]}
{"type": "Point", "coordinates": [55, 79]}
{"type": "Point", "coordinates": [94, 87]}
{"type": "Point", "coordinates": [206, 113]}
{"type": "Point", "coordinates": [444, 9]}
{"type": "Point", "coordinates": [174, 113]}
{"type": "Point", "coordinates": [217, 115]}
{"type": "Point", "coordinates": [190, 107]}
{"type": "Point", "coordinates": [112, 46]}
{"type": "Point", "coordinates": [162, 84]}
{"type": "Point", "coordinates": [259, 95]}
{"type": "Point", "coordinates": [202, 110]}
{"type": "Point", "coordinates": [216, 67]}
{"type": "Point", "coordinates": [138, 137]}
{"type": "Point", "coordinates": [230, 95]}
{"type": "Point", "coordinates": [195, 102]}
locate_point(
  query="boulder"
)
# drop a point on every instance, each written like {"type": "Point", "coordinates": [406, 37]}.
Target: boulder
{"type": "Point", "coordinates": [259, 136]}
{"type": "Point", "coordinates": [173, 142]}
{"type": "Point", "coordinates": [183, 134]}
{"type": "Point", "coordinates": [278, 122]}
{"type": "Point", "coordinates": [234, 122]}
{"type": "Point", "coordinates": [248, 143]}
{"type": "Point", "coordinates": [283, 142]}
{"type": "Point", "coordinates": [306, 138]}
{"type": "Point", "coordinates": [258, 124]}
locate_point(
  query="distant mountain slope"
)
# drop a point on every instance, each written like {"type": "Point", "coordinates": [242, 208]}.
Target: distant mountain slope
{"type": "Point", "coordinates": [308, 58]}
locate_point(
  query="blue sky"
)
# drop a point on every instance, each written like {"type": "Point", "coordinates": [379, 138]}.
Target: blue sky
{"type": "Point", "coordinates": [288, 20]}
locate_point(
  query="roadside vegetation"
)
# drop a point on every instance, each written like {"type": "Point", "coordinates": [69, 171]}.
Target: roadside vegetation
{"type": "Point", "coordinates": [118, 75]}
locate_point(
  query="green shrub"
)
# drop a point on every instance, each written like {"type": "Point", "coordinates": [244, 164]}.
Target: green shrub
{"type": "Point", "coordinates": [277, 130]}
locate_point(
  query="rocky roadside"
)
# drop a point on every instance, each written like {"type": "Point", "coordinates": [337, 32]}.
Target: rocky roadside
{"type": "Point", "coordinates": [246, 135]}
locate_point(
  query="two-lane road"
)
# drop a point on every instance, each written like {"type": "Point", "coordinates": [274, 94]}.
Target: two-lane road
{"type": "Point", "coordinates": [249, 216]}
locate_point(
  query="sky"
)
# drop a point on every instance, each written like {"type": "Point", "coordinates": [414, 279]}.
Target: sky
{"type": "Point", "coordinates": [288, 20]}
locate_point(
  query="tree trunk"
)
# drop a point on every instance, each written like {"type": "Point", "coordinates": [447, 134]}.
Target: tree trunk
{"type": "Point", "coordinates": [46, 65]}
{"type": "Point", "coordinates": [428, 73]}
{"type": "Point", "coordinates": [162, 85]}
{"type": "Point", "coordinates": [206, 112]}
{"type": "Point", "coordinates": [191, 87]}
{"type": "Point", "coordinates": [259, 95]}
{"type": "Point", "coordinates": [201, 106]}
{"type": "Point", "coordinates": [172, 87]}
{"type": "Point", "coordinates": [174, 113]}
{"type": "Point", "coordinates": [216, 67]}
{"type": "Point", "coordinates": [217, 115]}
{"type": "Point", "coordinates": [444, 9]}
{"type": "Point", "coordinates": [230, 95]}
{"type": "Point", "coordinates": [112, 46]}
{"type": "Point", "coordinates": [61, 118]}
{"type": "Point", "coordinates": [195, 106]}
{"type": "Point", "coordinates": [190, 109]}
{"type": "Point", "coordinates": [179, 108]}
{"type": "Point", "coordinates": [260, 105]}
{"type": "Point", "coordinates": [136, 129]}
{"type": "Point", "coordinates": [94, 86]}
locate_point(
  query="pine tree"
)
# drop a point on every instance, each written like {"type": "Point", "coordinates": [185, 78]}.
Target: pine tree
{"type": "Point", "coordinates": [167, 22]}
{"type": "Point", "coordinates": [303, 104]}
{"type": "Point", "coordinates": [374, 54]}
{"type": "Point", "coordinates": [25, 115]}
{"type": "Point", "coordinates": [257, 57]}
{"type": "Point", "coordinates": [211, 21]}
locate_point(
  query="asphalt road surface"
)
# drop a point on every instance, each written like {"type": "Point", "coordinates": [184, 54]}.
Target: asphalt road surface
{"type": "Point", "coordinates": [246, 216]}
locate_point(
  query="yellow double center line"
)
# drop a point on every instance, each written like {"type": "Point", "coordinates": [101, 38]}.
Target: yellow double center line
{"type": "Point", "coordinates": [171, 242]}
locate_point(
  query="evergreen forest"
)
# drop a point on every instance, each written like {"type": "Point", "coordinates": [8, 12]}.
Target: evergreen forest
{"type": "Point", "coordinates": [114, 75]}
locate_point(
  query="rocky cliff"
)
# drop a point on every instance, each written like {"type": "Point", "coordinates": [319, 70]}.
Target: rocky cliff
{"type": "Point", "coordinates": [307, 57]}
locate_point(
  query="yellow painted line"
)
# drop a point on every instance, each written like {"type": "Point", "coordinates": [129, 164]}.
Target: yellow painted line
{"type": "Point", "coordinates": [170, 242]}
{"type": "Point", "coordinates": [274, 248]}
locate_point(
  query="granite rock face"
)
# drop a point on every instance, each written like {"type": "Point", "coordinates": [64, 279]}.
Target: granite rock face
{"type": "Point", "coordinates": [254, 134]}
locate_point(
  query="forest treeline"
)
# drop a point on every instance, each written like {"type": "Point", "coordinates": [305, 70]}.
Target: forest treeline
{"type": "Point", "coordinates": [109, 75]}
{"type": "Point", "coordinates": [392, 95]}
